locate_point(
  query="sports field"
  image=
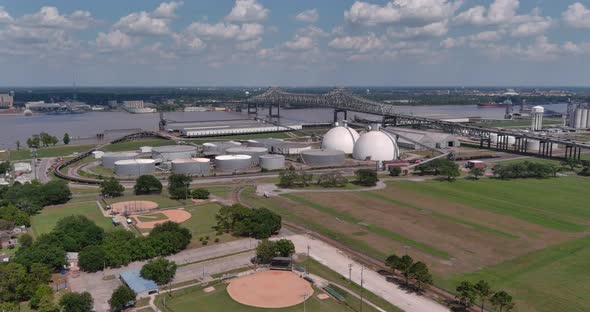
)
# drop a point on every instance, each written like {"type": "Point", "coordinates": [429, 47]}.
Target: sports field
{"type": "Point", "coordinates": [458, 227]}
{"type": "Point", "coordinates": [162, 201]}
{"type": "Point", "coordinates": [46, 220]}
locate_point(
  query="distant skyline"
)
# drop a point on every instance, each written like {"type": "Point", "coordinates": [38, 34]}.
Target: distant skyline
{"type": "Point", "coordinates": [295, 43]}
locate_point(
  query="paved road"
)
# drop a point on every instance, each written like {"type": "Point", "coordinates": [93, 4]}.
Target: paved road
{"type": "Point", "coordinates": [339, 262]}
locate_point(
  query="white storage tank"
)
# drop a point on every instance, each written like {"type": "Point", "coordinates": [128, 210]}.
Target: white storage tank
{"type": "Point", "coordinates": [172, 152]}
{"type": "Point", "coordinates": [272, 162]}
{"type": "Point", "coordinates": [587, 119]}
{"type": "Point", "coordinates": [584, 122]}
{"type": "Point", "coordinates": [134, 167]}
{"type": "Point", "coordinates": [376, 145]}
{"type": "Point", "coordinates": [255, 152]}
{"type": "Point", "coordinates": [322, 157]}
{"type": "Point", "coordinates": [218, 148]}
{"type": "Point", "coordinates": [232, 162]}
{"type": "Point", "coordinates": [578, 119]}
{"type": "Point", "coordinates": [109, 159]}
{"type": "Point", "coordinates": [532, 146]}
{"type": "Point", "coordinates": [290, 148]}
{"type": "Point", "coordinates": [493, 137]}
{"type": "Point", "coordinates": [97, 154]}
{"type": "Point", "coordinates": [194, 166]}
{"type": "Point", "coordinates": [341, 138]}
{"type": "Point", "coordinates": [145, 149]}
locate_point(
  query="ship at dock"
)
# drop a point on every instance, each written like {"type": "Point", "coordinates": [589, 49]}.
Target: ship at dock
{"type": "Point", "coordinates": [504, 104]}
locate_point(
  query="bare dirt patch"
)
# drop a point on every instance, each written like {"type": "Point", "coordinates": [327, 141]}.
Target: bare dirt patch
{"type": "Point", "coordinates": [174, 215]}
{"type": "Point", "coordinates": [128, 207]}
{"type": "Point", "coordinates": [270, 289]}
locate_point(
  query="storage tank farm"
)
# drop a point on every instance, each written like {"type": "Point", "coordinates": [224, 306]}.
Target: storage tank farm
{"type": "Point", "coordinates": [254, 152]}
{"type": "Point", "coordinates": [193, 166]}
{"type": "Point", "coordinates": [108, 159]}
{"type": "Point", "coordinates": [134, 167]}
{"type": "Point", "coordinates": [322, 157]}
{"type": "Point", "coordinates": [218, 148]}
{"type": "Point", "coordinates": [233, 162]}
{"type": "Point", "coordinates": [171, 152]}
{"type": "Point", "coordinates": [272, 162]}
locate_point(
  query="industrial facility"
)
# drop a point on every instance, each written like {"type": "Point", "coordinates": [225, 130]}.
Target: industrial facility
{"type": "Point", "coordinates": [376, 145]}
{"type": "Point", "coordinates": [578, 116]}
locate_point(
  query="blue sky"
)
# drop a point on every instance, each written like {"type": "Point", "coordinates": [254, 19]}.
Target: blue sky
{"type": "Point", "coordinates": [295, 42]}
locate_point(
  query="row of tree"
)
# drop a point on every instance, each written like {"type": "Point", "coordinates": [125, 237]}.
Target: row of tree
{"type": "Point", "coordinates": [412, 271]}
{"type": "Point", "coordinates": [525, 169]}
{"type": "Point", "coordinates": [440, 166]}
{"type": "Point", "coordinates": [44, 139]}
{"type": "Point", "coordinates": [32, 197]}
{"type": "Point", "coordinates": [468, 293]}
{"type": "Point", "coordinates": [242, 221]}
{"type": "Point", "coordinates": [178, 187]}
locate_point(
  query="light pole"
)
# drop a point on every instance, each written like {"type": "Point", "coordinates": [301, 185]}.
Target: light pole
{"type": "Point", "coordinates": [305, 295]}
{"type": "Point", "coordinates": [362, 271]}
{"type": "Point", "coordinates": [350, 273]}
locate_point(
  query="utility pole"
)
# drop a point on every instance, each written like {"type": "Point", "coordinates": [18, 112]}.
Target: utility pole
{"type": "Point", "coordinates": [350, 273]}
{"type": "Point", "coordinates": [362, 271]}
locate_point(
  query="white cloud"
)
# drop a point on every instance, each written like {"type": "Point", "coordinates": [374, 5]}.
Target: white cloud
{"type": "Point", "coordinates": [308, 16]}
{"type": "Point", "coordinates": [247, 11]}
{"type": "Point", "coordinates": [359, 43]}
{"type": "Point", "coordinates": [249, 45]}
{"type": "Point", "coordinates": [426, 11]}
{"type": "Point", "coordinates": [437, 29]}
{"type": "Point", "coordinates": [500, 11]}
{"type": "Point", "coordinates": [113, 40]}
{"type": "Point", "coordinates": [577, 16]}
{"type": "Point", "coordinates": [5, 16]}
{"type": "Point", "coordinates": [167, 9]}
{"type": "Point", "coordinates": [142, 23]}
{"type": "Point", "coordinates": [50, 17]}
{"type": "Point", "coordinates": [226, 31]}
{"type": "Point", "coordinates": [489, 36]}
{"type": "Point", "coordinates": [535, 27]}
{"type": "Point", "coordinates": [300, 43]}
{"type": "Point", "coordinates": [541, 50]}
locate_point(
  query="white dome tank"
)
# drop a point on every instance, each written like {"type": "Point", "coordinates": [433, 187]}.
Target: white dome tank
{"type": "Point", "coordinates": [376, 145]}
{"type": "Point", "coordinates": [341, 138]}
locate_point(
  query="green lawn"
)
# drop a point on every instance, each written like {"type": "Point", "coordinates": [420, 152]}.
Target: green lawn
{"type": "Point", "coordinates": [136, 144]}
{"type": "Point", "coordinates": [552, 279]}
{"type": "Point", "coordinates": [516, 123]}
{"type": "Point", "coordinates": [201, 224]}
{"type": "Point", "coordinates": [46, 220]}
{"type": "Point", "coordinates": [162, 201]}
{"type": "Point", "coordinates": [530, 159]}
{"type": "Point", "coordinates": [220, 191]}
{"type": "Point", "coordinates": [558, 203]}
{"type": "Point", "coordinates": [50, 151]}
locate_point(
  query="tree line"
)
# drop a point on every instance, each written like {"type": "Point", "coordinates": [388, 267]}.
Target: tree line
{"type": "Point", "coordinates": [527, 169]}
{"type": "Point", "coordinates": [241, 221]}
{"type": "Point", "coordinates": [468, 293]}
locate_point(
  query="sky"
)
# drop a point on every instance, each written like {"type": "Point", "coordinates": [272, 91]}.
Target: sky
{"type": "Point", "coordinates": [295, 43]}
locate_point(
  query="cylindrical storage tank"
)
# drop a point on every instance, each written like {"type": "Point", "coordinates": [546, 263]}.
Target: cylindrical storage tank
{"type": "Point", "coordinates": [267, 143]}
{"type": "Point", "coordinates": [109, 159]}
{"type": "Point", "coordinates": [587, 119]}
{"type": "Point", "coordinates": [584, 121]}
{"type": "Point", "coordinates": [511, 140]}
{"type": "Point", "coordinates": [194, 166]}
{"type": "Point", "coordinates": [290, 148]}
{"type": "Point", "coordinates": [322, 157]}
{"type": "Point", "coordinates": [172, 152]}
{"type": "Point", "coordinates": [146, 149]}
{"type": "Point", "coordinates": [255, 152]}
{"type": "Point", "coordinates": [233, 162]}
{"type": "Point", "coordinates": [493, 137]}
{"type": "Point", "coordinates": [272, 162]}
{"type": "Point", "coordinates": [218, 148]}
{"type": "Point", "coordinates": [578, 119]}
{"type": "Point", "coordinates": [532, 146]}
{"type": "Point", "coordinates": [97, 154]}
{"type": "Point", "coordinates": [134, 167]}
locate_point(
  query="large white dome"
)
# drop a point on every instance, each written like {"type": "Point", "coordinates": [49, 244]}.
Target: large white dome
{"type": "Point", "coordinates": [340, 138]}
{"type": "Point", "coordinates": [376, 145]}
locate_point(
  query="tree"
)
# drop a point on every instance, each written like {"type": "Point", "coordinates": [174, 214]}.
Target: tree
{"type": "Point", "coordinates": [259, 223]}
{"type": "Point", "coordinates": [147, 184]}
{"type": "Point", "coordinates": [265, 251]}
{"type": "Point", "coordinates": [121, 298]}
{"type": "Point", "coordinates": [483, 291]}
{"type": "Point", "coordinates": [228, 216]}
{"type": "Point", "coordinates": [450, 169]}
{"type": "Point", "coordinates": [76, 302]}
{"type": "Point", "coordinates": [502, 301]}
{"type": "Point", "coordinates": [17, 145]}
{"type": "Point", "coordinates": [476, 172]}
{"type": "Point", "coordinates": [55, 192]}
{"type": "Point", "coordinates": [160, 270]}
{"type": "Point", "coordinates": [392, 262]}
{"type": "Point", "coordinates": [92, 259]}
{"type": "Point", "coordinates": [395, 171]}
{"type": "Point", "coordinates": [404, 265]}
{"type": "Point", "coordinates": [284, 247]}
{"type": "Point", "coordinates": [47, 305]}
{"type": "Point", "coordinates": [25, 240]}
{"type": "Point", "coordinates": [465, 293]}
{"type": "Point", "coordinates": [332, 179]}
{"type": "Point", "coordinates": [66, 138]}
{"type": "Point", "coordinates": [4, 167]}
{"type": "Point", "coordinates": [420, 273]}
{"type": "Point", "coordinates": [40, 293]}
{"type": "Point", "coordinates": [76, 232]}
{"type": "Point", "coordinates": [200, 193]}
{"type": "Point", "coordinates": [366, 177]}
{"type": "Point", "coordinates": [111, 188]}
{"type": "Point", "coordinates": [178, 186]}
{"type": "Point", "coordinates": [288, 177]}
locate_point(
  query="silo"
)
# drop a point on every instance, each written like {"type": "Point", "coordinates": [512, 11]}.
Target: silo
{"type": "Point", "coordinates": [511, 140]}
{"type": "Point", "coordinates": [290, 148]}
{"type": "Point", "coordinates": [584, 118]}
{"type": "Point", "coordinates": [532, 146]}
{"type": "Point", "coordinates": [272, 162]}
{"type": "Point", "coordinates": [194, 166]}
{"type": "Point", "coordinates": [97, 154]}
{"type": "Point", "coordinates": [232, 162]}
{"type": "Point", "coordinates": [322, 157]}
{"type": "Point", "coordinates": [172, 152]}
{"type": "Point", "coordinates": [146, 149]}
{"type": "Point", "coordinates": [587, 119]}
{"type": "Point", "coordinates": [109, 159]}
{"type": "Point", "coordinates": [493, 137]}
{"type": "Point", "coordinates": [578, 119]}
{"type": "Point", "coordinates": [267, 143]}
{"type": "Point", "coordinates": [134, 167]}
{"type": "Point", "coordinates": [218, 148]}
{"type": "Point", "coordinates": [255, 152]}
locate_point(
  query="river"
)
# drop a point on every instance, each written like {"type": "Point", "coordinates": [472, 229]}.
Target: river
{"type": "Point", "coordinates": [13, 128]}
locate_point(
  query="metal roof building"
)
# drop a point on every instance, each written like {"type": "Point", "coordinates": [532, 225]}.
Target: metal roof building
{"type": "Point", "coordinates": [141, 286]}
{"type": "Point", "coordinates": [429, 138]}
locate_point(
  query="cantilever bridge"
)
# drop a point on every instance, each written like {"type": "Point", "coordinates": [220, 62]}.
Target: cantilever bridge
{"type": "Point", "coordinates": [342, 102]}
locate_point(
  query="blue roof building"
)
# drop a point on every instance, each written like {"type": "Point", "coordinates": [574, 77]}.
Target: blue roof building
{"type": "Point", "coordinates": [141, 286]}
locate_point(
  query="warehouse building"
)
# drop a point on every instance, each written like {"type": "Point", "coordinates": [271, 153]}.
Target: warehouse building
{"type": "Point", "coordinates": [431, 139]}
{"type": "Point", "coordinates": [141, 286]}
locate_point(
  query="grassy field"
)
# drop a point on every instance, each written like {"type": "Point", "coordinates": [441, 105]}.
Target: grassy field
{"type": "Point", "coordinates": [46, 220]}
{"type": "Point", "coordinates": [517, 123]}
{"type": "Point", "coordinates": [50, 151]}
{"type": "Point", "coordinates": [220, 191]}
{"type": "Point", "coordinates": [201, 224]}
{"type": "Point", "coordinates": [136, 144]}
